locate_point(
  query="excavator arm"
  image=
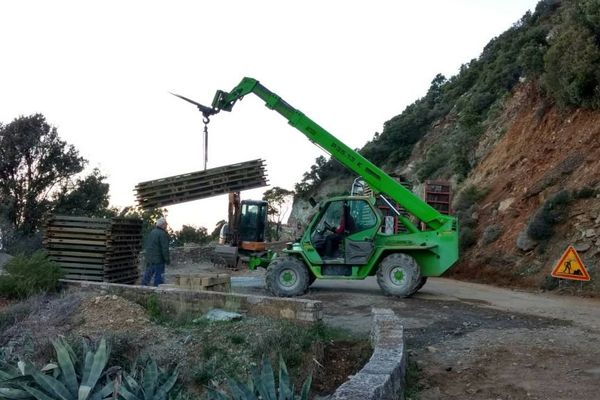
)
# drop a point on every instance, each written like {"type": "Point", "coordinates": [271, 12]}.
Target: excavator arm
{"type": "Point", "coordinates": [372, 175]}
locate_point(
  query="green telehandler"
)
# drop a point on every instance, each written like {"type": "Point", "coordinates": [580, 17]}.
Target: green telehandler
{"type": "Point", "coordinates": [345, 239]}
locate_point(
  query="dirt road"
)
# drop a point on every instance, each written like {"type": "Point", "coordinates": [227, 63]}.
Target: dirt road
{"type": "Point", "coordinates": [471, 341]}
{"type": "Point", "coordinates": [474, 341]}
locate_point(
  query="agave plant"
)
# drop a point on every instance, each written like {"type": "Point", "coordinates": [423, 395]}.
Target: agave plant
{"type": "Point", "coordinates": [262, 386]}
{"type": "Point", "coordinates": [11, 380]}
{"type": "Point", "coordinates": [69, 379]}
{"type": "Point", "coordinates": [153, 384]}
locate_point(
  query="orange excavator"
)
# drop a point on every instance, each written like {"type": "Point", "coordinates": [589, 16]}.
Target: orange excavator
{"type": "Point", "coordinates": [244, 233]}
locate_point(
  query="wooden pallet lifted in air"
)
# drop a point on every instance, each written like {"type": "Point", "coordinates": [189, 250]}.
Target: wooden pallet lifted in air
{"type": "Point", "coordinates": [202, 184]}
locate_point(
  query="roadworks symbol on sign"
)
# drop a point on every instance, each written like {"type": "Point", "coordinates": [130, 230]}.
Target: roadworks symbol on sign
{"type": "Point", "coordinates": [570, 267]}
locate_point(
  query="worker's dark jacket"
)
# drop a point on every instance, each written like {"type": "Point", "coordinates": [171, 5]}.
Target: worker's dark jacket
{"type": "Point", "coordinates": [157, 247]}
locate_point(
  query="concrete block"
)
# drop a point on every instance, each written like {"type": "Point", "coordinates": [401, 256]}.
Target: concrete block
{"type": "Point", "coordinates": [383, 377]}
{"type": "Point", "coordinates": [364, 387]}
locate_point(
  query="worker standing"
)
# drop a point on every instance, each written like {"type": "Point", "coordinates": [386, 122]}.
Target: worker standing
{"type": "Point", "coordinates": [157, 253]}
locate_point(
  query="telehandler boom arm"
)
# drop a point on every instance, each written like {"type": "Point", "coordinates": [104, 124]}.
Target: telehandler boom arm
{"type": "Point", "coordinates": [377, 179]}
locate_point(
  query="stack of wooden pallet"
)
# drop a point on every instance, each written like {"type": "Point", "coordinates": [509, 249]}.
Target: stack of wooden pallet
{"type": "Point", "coordinates": [202, 184]}
{"type": "Point", "coordinates": [95, 249]}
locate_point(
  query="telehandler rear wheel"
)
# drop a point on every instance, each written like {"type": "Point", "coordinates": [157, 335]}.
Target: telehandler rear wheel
{"type": "Point", "coordinates": [398, 275]}
{"type": "Point", "coordinates": [286, 277]}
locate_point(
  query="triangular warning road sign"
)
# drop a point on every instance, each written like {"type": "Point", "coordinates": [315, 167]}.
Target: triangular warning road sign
{"type": "Point", "coordinates": [570, 267]}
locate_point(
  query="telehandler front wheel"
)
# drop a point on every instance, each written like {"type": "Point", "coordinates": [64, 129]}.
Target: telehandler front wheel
{"type": "Point", "coordinates": [287, 277]}
{"type": "Point", "coordinates": [399, 275]}
{"type": "Point", "coordinates": [420, 284]}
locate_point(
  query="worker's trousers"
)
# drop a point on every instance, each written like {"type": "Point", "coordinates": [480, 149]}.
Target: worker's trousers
{"type": "Point", "coordinates": [154, 270]}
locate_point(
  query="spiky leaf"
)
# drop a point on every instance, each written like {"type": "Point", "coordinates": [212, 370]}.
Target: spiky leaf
{"type": "Point", "coordinates": [13, 394]}
{"type": "Point", "coordinates": [149, 379]}
{"type": "Point", "coordinates": [166, 387]}
{"type": "Point", "coordinates": [38, 394]}
{"type": "Point", "coordinates": [69, 378]}
{"type": "Point", "coordinates": [98, 364]}
{"type": "Point", "coordinates": [286, 392]}
{"type": "Point", "coordinates": [126, 394]}
{"type": "Point", "coordinates": [52, 386]}
{"type": "Point", "coordinates": [306, 388]}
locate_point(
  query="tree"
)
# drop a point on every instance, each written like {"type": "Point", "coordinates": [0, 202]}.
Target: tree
{"type": "Point", "coordinates": [148, 216]}
{"type": "Point", "coordinates": [86, 197]}
{"type": "Point", "coordinates": [279, 200]}
{"type": "Point", "coordinates": [33, 162]}
{"type": "Point", "coordinates": [572, 62]}
{"type": "Point", "coordinates": [191, 234]}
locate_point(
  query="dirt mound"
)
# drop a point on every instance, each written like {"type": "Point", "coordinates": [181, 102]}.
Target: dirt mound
{"type": "Point", "coordinates": [100, 314]}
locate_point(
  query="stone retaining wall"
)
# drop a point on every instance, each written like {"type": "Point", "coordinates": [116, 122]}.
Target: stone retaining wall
{"type": "Point", "coordinates": [383, 378]}
{"type": "Point", "coordinates": [183, 301]}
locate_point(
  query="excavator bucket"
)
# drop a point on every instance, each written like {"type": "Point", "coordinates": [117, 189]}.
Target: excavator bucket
{"type": "Point", "coordinates": [202, 184]}
{"type": "Point", "coordinates": [225, 255]}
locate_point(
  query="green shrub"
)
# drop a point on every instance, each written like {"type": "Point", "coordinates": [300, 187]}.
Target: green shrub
{"type": "Point", "coordinates": [541, 226]}
{"type": "Point", "coordinates": [468, 197]}
{"type": "Point", "coordinates": [154, 309]}
{"type": "Point", "coordinates": [491, 234]}
{"type": "Point", "coordinates": [28, 275]}
{"type": "Point", "coordinates": [13, 314]}
{"type": "Point", "coordinates": [585, 192]}
{"type": "Point", "coordinates": [467, 237]}
{"type": "Point", "coordinates": [437, 157]}
{"type": "Point", "coordinates": [572, 62]}
{"type": "Point", "coordinates": [205, 371]}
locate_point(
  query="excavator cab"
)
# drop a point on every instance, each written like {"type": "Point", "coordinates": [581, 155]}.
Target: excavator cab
{"type": "Point", "coordinates": [253, 223]}
{"type": "Point", "coordinates": [245, 233]}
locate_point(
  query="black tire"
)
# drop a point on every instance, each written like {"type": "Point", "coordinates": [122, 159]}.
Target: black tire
{"type": "Point", "coordinates": [287, 277]}
{"type": "Point", "coordinates": [421, 283]}
{"type": "Point", "coordinates": [311, 278]}
{"type": "Point", "coordinates": [398, 275]}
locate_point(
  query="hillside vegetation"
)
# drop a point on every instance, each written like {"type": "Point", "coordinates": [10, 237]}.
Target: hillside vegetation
{"type": "Point", "coordinates": [512, 130]}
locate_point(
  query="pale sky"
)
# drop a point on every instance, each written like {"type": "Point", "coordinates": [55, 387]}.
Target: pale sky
{"type": "Point", "coordinates": [100, 71]}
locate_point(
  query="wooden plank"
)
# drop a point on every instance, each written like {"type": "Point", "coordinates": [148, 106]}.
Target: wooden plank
{"type": "Point", "coordinates": [83, 277]}
{"type": "Point", "coordinates": [66, 246]}
{"type": "Point", "coordinates": [76, 235]}
{"type": "Point", "coordinates": [76, 224]}
{"type": "Point", "coordinates": [67, 229]}
{"type": "Point", "coordinates": [85, 260]}
{"type": "Point", "coordinates": [54, 252]}
{"type": "Point", "coordinates": [89, 272]}
{"type": "Point", "coordinates": [78, 265]}
{"type": "Point", "coordinates": [76, 241]}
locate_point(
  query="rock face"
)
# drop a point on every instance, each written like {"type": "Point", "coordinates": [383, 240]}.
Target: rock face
{"type": "Point", "coordinates": [525, 243]}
